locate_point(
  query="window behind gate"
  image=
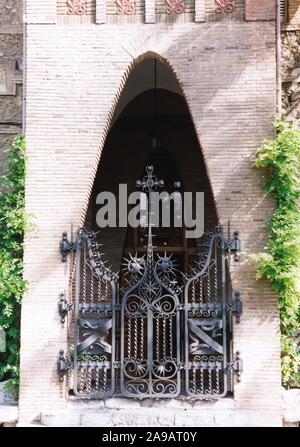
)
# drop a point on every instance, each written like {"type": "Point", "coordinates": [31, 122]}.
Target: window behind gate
{"type": "Point", "coordinates": [162, 326]}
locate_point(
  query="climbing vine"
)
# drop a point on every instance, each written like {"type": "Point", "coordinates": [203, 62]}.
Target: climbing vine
{"type": "Point", "coordinates": [12, 285]}
{"type": "Point", "coordinates": [280, 264]}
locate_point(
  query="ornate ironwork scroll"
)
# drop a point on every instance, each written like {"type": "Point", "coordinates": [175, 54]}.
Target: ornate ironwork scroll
{"type": "Point", "coordinates": [174, 6]}
{"type": "Point", "coordinates": [125, 7]}
{"type": "Point", "coordinates": [76, 7]}
{"type": "Point", "coordinates": [225, 6]}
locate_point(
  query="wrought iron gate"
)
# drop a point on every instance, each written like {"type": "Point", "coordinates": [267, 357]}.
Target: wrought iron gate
{"type": "Point", "coordinates": [207, 323]}
{"type": "Point", "coordinates": [163, 334]}
{"type": "Point", "coordinates": [150, 328]}
{"type": "Point", "coordinates": [93, 321]}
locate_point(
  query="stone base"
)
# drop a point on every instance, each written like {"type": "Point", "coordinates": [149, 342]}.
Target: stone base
{"type": "Point", "coordinates": [147, 413]}
{"type": "Point", "coordinates": [9, 414]}
{"type": "Point", "coordinates": [291, 407]}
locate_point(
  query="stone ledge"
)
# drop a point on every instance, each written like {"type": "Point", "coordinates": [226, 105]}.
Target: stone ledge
{"type": "Point", "coordinates": [10, 129]}
{"type": "Point", "coordinates": [121, 403]}
{"type": "Point", "coordinates": [150, 417]}
{"type": "Point", "coordinates": [291, 405]}
{"type": "Point", "coordinates": [8, 413]}
{"type": "Point", "coordinates": [11, 29]}
{"type": "Point", "coordinates": [63, 418]}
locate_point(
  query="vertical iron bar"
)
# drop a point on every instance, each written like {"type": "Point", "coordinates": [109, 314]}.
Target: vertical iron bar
{"type": "Point", "coordinates": [122, 326]}
{"type": "Point", "coordinates": [201, 289]}
{"type": "Point", "coordinates": [92, 286]}
{"type": "Point", "coordinates": [84, 275]}
{"type": "Point", "coordinates": [142, 336]}
{"type": "Point", "coordinates": [208, 283]}
{"type": "Point", "coordinates": [97, 377]}
{"type": "Point", "coordinates": [224, 316]}
{"type": "Point", "coordinates": [164, 336]}
{"type": "Point", "coordinates": [157, 339]}
{"type": "Point", "coordinates": [186, 337]}
{"type": "Point", "coordinates": [171, 336]}
{"type": "Point", "coordinates": [113, 341]}
{"type": "Point", "coordinates": [150, 348]}
{"type": "Point", "coordinates": [76, 313]}
{"type": "Point", "coordinates": [201, 381]}
{"type": "Point", "coordinates": [135, 337]}
{"type": "Point", "coordinates": [99, 290]}
{"type": "Point", "coordinates": [216, 275]}
{"type": "Point", "coordinates": [129, 336]}
{"type": "Point", "coordinates": [179, 339]}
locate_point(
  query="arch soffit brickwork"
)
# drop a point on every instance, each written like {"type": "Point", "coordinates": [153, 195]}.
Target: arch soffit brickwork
{"type": "Point", "coordinates": [110, 119]}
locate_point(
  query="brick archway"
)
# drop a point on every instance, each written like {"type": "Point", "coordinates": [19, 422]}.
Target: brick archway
{"type": "Point", "coordinates": [111, 115]}
{"type": "Point", "coordinates": [70, 102]}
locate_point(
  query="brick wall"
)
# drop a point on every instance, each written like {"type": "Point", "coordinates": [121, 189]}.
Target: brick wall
{"type": "Point", "coordinates": [74, 79]}
{"type": "Point", "coordinates": [40, 11]}
{"type": "Point", "coordinates": [260, 9]}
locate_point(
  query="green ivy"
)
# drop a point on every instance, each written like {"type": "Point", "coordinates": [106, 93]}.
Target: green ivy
{"type": "Point", "coordinates": [280, 264]}
{"type": "Point", "coordinates": [12, 285]}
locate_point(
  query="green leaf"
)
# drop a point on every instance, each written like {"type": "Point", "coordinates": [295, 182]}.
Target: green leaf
{"type": "Point", "coordinates": [281, 264]}
{"type": "Point", "coordinates": [13, 222]}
